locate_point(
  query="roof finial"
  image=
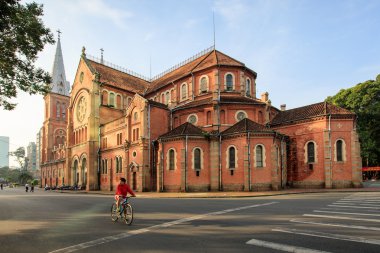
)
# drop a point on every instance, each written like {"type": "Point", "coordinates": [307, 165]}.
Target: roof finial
{"type": "Point", "coordinates": [83, 51]}
{"type": "Point", "coordinates": [101, 55]}
{"type": "Point", "coordinates": [59, 33]}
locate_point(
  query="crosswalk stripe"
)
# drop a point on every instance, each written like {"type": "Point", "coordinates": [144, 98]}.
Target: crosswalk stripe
{"type": "Point", "coordinates": [335, 225]}
{"type": "Point", "coordinates": [329, 236]}
{"type": "Point", "coordinates": [351, 203]}
{"type": "Point", "coordinates": [363, 214]}
{"type": "Point", "coordinates": [339, 217]}
{"type": "Point", "coordinates": [282, 247]}
{"type": "Point", "coordinates": [368, 207]}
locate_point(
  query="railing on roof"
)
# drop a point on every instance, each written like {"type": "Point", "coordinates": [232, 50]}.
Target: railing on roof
{"type": "Point", "coordinates": [114, 66]}
{"type": "Point", "coordinates": [207, 50]}
{"type": "Point", "coordinates": [130, 72]}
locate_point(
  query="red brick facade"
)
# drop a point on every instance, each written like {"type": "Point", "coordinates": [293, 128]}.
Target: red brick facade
{"type": "Point", "coordinates": [198, 127]}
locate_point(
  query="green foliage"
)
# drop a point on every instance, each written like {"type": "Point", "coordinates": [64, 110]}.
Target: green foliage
{"type": "Point", "coordinates": [19, 154]}
{"type": "Point", "coordinates": [22, 36]}
{"type": "Point", "coordinates": [16, 176]}
{"type": "Point", "coordinates": [364, 100]}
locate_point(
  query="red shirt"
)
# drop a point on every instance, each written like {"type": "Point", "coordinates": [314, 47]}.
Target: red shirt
{"type": "Point", "coordinates": [123, 189]}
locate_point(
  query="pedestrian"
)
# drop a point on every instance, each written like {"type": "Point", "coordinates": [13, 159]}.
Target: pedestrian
{"type": "Point", "coordinates": [26, 187]}
{"type": "Point", "coordinates": [1, 186]}
{"type": "Point", "coordinates": [32, 188]}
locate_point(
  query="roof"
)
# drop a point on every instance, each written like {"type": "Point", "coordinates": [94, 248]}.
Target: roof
{"type": "Point", "coordinates": [183, 130]}
{"type": "Point", "coordinates": [308, 112]}
{"type": "Point", "coordinates": [246, 125]}
{"type": "Point", "coordinates": [206, 101]}
{"type": "Point", "coordinates": [239, 99]}
{"type": "Point", "coordinates": [118, 78]}
{"type": "Point", "coordinates": [212, 58]}
{"type": "Point", "coordinates": [157, 104]}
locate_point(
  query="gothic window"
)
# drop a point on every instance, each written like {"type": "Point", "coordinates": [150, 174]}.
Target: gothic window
{"type": "Point", "coordinates": [259, 156]}
{"type": "Point", "coordinates": [104, 97]}
{"type": "Point", "coordinates": [248, 87]}
{"type": "Point", "coordinates": [310, 152]}
{"type": "Point", "coordinates": [231, 158]}
{"type": "Point", "coordinates": [171, 159]}
{"type": "Point", "coordinates": [58, 110]}
{"type": "Point", "coordinates": [117, 164]}
{"type": "Point", "coordinates": [163, 98]}
{"type": "Point", "coordinates": [204, 84]}
{"type": "Point", "coordinates": [339, 151]}
{"type": "Point", "coordinates": [135, 116]}
{"type": "Point", "coordinates": [229, 82]}
{"type": "Point", "coordinates": [197, 159]}
{"type": "Point", "coordinates": [118, 101]}
{"type": "Point", "coordinates": [63, 111]}
{"type": "Point", "coordinates": [184, 91]}
{"type": "Point", "coordinates": [120, 164]}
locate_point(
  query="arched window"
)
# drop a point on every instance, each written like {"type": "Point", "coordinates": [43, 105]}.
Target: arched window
{"type": "Point", "coordinates": [209, 121]}
{"type": "Point", "coordinates": [248, 87]}
{"type": "Point", "coordinates": [184, 91]}
{"type": "Point", "coordinates": [163, 98]}
{"type": "Point", "coordinates": [112, 99]}
{"type": "Point", "coordinates": [117, 164]}
{"type": "Point", "coordinates": [310, 152]}
{"type": "Point", "coordinates": [104, 97]}
{"type": "Point", "coordinates": [120, 164]}
{"type": "Point", "coordinates": [167, 97]}
{"type": "Point", "coordinates": [339, 151]}
{"type": "Point", "coordinates": [203, 85]}
{"type": "Point", "coordinates": [259, 156]}
{"type": "Point", "coordinates": [229, 82]}
{"type": "Point", "coordinates": [171, 159]}
{"type": "Point", "coordinates": [58, 109]}
{"type": "Point", "coordinates": [197, 159]}
{"type": "Point", "coordinates": [222, 117]}
{"type": "Point", "coordinates": [231, 158]}
{"type": "Point", "coordinates": [118, 101]}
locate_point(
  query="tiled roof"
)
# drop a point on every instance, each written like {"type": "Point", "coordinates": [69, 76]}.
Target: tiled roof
{"type": "Point", "coordinates": [157, 104]}
{"type": "Point", "coordinates": [239, 99]}
{"type": "Point", "coordinates": [207, 101]}
{"type": "Point", "coordinates": [207, 60]}
{"type": "Point", "coordinates": [246, 125]}
{"type": "Point", "coordinates": [119, 78]}
{"type": "Point", "coordinates": [182, 130]}
{"type": "Point", "coordinates": [308, 112]}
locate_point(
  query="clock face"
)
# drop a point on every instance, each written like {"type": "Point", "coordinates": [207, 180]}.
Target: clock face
{"type": "Point", "coordinates": [241, 115]}
{"type": "Point", "coordinates": [81, 108]}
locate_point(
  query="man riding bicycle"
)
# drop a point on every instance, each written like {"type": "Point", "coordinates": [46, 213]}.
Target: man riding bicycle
{"type": "Point", "coordinates": [121, 192]}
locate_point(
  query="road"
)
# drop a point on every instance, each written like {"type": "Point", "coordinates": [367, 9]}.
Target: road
{"type": "Point", "coordinates": [319, 222]}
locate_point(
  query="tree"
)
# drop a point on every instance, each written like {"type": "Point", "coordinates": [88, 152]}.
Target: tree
{"type": "Point", "coordinates": [19, 154]}
{"type": "Point", "coordinates": [22, 36]}
{"type": "Point", "coordinates": [364, 100]}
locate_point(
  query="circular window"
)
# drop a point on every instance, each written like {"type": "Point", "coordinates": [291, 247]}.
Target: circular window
{"type": "Point", "coordinates": [241, 115]}
{"type": "Point", "coordinates": [192, 119]}
{"type": "Point", "coordinates": [81, 108]}
{"type": "Point", "coordinates": [134, 154]}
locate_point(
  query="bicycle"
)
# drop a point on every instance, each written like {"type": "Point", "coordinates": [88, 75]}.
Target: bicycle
{"type": "Point", "coordinates": [126, 212]}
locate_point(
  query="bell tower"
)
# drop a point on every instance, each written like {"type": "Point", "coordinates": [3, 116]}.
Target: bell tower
{"type": "Point", "coordinates": [55, 116]}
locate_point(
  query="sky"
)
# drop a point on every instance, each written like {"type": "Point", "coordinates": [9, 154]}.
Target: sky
{"type": "Point", "coordinates": [302, 50]}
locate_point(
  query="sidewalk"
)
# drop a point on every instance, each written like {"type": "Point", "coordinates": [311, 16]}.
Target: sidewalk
{"type": "Point", "coordinates": [231, 194]}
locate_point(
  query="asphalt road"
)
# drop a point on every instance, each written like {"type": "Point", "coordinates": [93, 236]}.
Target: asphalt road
{"type": "Point", "coordinates": [324, 222]}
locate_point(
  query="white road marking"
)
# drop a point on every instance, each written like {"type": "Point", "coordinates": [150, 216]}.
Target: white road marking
{"type": "Point", "coordinates": [336, 225]}
{"type": "Point", "coordinates": [282, 247]}
{"type": "Point", "coordinates": [366, 207]}
{"type": "Point", "coordinates": [148, 229]}
{"type": "Point", "coordinates": [339, 217]}
{"type": "Point", "coordinates": [329, 236]}
{"type": "Point", "coordinates": [351, 203]}
{"type": "Point", "coordinates": [362, 214]}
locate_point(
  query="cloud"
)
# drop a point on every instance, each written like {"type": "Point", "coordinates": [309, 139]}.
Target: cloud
{"type": "Point", "coordinates": [233, 10]}
{"type": "Point", "coordinates": [100, 8]}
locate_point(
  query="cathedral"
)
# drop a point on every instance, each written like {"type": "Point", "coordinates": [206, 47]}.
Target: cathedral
{"type": "Point", "coordinates": [200, 126]}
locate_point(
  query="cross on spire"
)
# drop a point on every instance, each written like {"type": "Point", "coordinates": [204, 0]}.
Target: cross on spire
{"type": "Point", "coordinates": [59, 33]}
{"type": "Point", "coordinates": [101, 55]}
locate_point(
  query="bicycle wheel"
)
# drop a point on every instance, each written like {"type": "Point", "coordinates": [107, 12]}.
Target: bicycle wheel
{"type": "Point", "coordinates": [114, 216]}
{"type": "Point", "coordinates": [128, 214]}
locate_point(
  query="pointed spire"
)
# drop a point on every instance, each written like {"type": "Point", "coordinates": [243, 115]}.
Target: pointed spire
{"type": "Point", "coordinates": [101, 55]}
{"type": "Point", "coordinates": [59, 84]}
